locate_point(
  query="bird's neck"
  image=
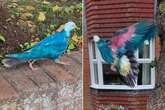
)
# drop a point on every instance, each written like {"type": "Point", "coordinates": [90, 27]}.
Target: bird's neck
{"type": "Point", "coordinates": [67, 33]}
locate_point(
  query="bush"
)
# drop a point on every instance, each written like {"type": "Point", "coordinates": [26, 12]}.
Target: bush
{"type": "Point", "coordinates": [112, 107]}
{"type": "Point", "coordinates": [40, 18]}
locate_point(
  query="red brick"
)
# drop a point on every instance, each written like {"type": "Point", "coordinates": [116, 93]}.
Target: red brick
{"type": "Point", "coordinates": [119, 20]}
{"type": "Point", "coordinates": [121, 15]}
{"type": "Point", "coordinates": [128, 99]}
{"type": "Point", "coordinates": [107, 11]}
{"type": "Point", "coordinates": [157, 48]}
{"type": "Point", "coordinates": [109, 25]}
{"type": "Point", "coordinates": [126, 10]}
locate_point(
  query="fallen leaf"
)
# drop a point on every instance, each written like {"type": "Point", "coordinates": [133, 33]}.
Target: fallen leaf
{"type": "Point", "coordinates": [56, 8]}
{"type": "Point", "coordinates": [2, 38]}
{"type": "Point", "coordinates": [25, 16]}
{"type": "Point", "coordinates": [46, 2]}
{"type": "Point", "coordinates": [41, 16]}
{"type": "Point", "coordinates": [75, 38]}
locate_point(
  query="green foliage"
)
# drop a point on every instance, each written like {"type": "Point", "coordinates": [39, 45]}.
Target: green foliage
{"type": "Point", "coordinates": [162, 7]}
{"type": "Point", "coordinates": [2, 38]}
{"type": "Point", "coordinates": [113, 107]}
{"type": "Point", "coordinates": [40, 17]}
{"type": "Point", "coordinates": [74, 41]}
{"type": "Point", "coordinates": [28, 45]}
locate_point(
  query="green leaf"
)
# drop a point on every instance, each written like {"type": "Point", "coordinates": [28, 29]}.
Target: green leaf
{"type": "Point", "coordinates": [51, 27]}
{"type": "Point", "coordinates": [71, 46]}
{"type": "Point", "coordinates": [162, 7]}
{"type": "Point", "coordinates": [2, 38]}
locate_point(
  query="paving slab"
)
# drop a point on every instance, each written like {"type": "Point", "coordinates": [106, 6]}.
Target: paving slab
{"type": "Point", "coordinates": [6, 90]}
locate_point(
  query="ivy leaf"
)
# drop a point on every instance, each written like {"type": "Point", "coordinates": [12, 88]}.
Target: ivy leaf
{"type": "Point", "coordinates": [51, 27]}
{"type": "Point", "coordinates": [75, 38]}
{"type": "Point", "coordinates": [56, 8]}
{"type": "Point", "coordinates": [46, 2]}
{"type": "Point", "coordinates": [2, 38]}
{"type": "Point", "coordinates": [41, 16]}
{"type": "Point", "coordinates": [29, 8]}
{"type": "Point", "coordinates": [162, 7]}
{"type": "Point", "coordinates": [71, 46]}
{"type": "Point", "coordinates": [25, 16]}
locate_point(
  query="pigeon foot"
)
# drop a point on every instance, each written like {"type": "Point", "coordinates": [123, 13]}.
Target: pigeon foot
{"type": "Point", "coordinates": [31, 65]}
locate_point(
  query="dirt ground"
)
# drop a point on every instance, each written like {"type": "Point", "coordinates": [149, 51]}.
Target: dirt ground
{"type": "Point", "coordinates": [12, 33]}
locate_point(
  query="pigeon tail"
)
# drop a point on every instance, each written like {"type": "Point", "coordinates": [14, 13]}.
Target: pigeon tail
{"type": "Point", "coordinates": [10, 62]}
{"type": "Point", "coordinates": [128, 68]}
{"type": "Point", "coordinates": [131, 77]}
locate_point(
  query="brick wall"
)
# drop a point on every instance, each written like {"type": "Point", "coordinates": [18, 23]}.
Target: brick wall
{"type": "Point", "coordinates": [157, 48]}
{"type": "Point", "coordinates": [104, 17]}
{"type": "Point", "coordinates": [132, 100]}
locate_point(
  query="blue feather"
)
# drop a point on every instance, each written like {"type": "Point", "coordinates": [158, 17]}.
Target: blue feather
{"type": "Point", "coordinates": [143, 31]}
{"type": "Point", "coordinates": [105, 51]}
{"type": "Point", "coordinates": [51, 47]}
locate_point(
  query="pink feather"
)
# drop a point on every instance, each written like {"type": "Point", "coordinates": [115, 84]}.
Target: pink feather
{"type": "Point", "coordinates": [119, 41]}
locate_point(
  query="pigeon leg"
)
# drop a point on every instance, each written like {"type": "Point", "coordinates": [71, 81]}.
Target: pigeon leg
{"type": "Point", "coordinates": [31, 64]}
{"type": "Point", "coordinates": [62, 62]}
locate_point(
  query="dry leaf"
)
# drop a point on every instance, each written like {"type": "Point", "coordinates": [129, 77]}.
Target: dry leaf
{"type": "Point", "coordinates": [41, 16]}
{"type": "Point", "coordinates": [56, 8]}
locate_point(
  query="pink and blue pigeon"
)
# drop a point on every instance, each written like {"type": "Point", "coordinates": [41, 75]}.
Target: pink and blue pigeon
{"type": "Point", "coordinates": [120, 51]}
{"type": "Point", "coordinates": [52, 47]}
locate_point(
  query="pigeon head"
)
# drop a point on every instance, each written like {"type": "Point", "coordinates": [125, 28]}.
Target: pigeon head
{"type": "Point", "coordinates": [105, 51]}
{"type": "Point", "coordinates": [99, 42]}
{"type": "Point", "coordinates": [96, 38]}
{"type": "Point", "coordinates": [69, 26]}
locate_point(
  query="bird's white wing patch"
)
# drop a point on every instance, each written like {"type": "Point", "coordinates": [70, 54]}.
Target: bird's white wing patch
{"type": "Point", "coordinates": [125, 66]}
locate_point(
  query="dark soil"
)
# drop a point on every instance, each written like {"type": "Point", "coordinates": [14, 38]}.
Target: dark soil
{"type": "Point", "coordinates": [13, 34]}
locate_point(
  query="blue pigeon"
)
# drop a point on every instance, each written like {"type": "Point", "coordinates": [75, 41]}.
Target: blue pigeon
{"type": "Point", "coordinates": [51, 47]}
{"type": "Point", "coordinates": [120, 51]}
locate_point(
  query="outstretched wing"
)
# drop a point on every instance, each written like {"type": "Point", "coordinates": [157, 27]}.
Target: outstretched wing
{"type": "Point", "coordinates": [120, 51]}
{"type": "Point", "coordinates": [132, 37]}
